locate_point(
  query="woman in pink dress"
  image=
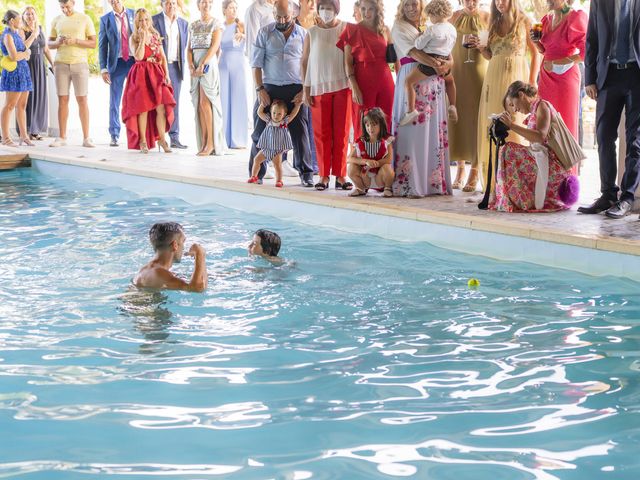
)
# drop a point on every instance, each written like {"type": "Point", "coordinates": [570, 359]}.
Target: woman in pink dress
{"type": "Point", "coordinates": [530, 177]}
{"type": "Point", "coordinates": [365, 48]}
{"type": "Point", "coordinates": [562, 43]}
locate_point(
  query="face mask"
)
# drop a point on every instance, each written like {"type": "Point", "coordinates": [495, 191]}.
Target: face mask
{"type": "Point", "coordinates": [562, 69]}
{"type": "Point", "coordinates": [327, 16]}
{"type": "Point", "coordinates": [283, 27]}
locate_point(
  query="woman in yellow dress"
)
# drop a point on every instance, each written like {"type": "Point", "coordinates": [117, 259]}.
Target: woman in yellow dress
{"type": "Point", "coordinates": [506, 51]}
{"type": "Point", "coordinates": [469, 68]}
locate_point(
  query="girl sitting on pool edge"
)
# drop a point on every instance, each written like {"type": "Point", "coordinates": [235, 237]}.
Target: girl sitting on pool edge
{"type": "Point", "coordinates": [369, 163]}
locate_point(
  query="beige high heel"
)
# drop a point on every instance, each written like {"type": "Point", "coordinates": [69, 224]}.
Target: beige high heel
{"type": "Point", "coordinates": [457, 184]}
{"type": "Point", "coordinates": [143, 147]}
{"type": "Point", "coordinates": [472, 181]}
{"type": "Point", "coordinates": [165, 146]}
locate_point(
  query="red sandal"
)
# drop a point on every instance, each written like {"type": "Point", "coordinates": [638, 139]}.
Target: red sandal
{"type": "Point", "coordinates": [253, 180]}
{"type": "Point", "coordinates": [279, 184]}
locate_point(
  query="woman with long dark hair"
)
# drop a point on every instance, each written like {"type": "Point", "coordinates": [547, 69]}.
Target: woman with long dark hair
{"type": "Point", "coordinates": [16, 78]}
{"type": "Point", "coordinates": [365, 48]}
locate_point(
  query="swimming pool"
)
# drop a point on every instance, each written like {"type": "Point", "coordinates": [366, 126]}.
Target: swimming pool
{"type": "Point", "coordinates": [366, 359]}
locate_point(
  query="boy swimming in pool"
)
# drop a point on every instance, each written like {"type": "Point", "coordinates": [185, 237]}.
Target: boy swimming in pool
{"type": "Point", "coordinates": [266, 244]}
{"type": "Point", "coordinates": [167, 240]}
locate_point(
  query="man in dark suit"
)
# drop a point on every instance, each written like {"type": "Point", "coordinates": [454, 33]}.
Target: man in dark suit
{"type": "Point", "coordinates": [174, 32]}
{"type": "Point", "coordinates": [613, 80]}
{"type": "Point", "coordinates": [115, 58]}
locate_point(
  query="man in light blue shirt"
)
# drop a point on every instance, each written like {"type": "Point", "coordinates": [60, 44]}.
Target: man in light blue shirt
{"type": "Point", "coordinates": [276, 58]}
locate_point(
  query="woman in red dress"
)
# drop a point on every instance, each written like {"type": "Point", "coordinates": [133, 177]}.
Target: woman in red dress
{"type": "Point", "coordinates": [562, 43]}
{"type": "Point", "coordinates": [365, 55]}
{"type": "Point", "coordinates": [148, 103]}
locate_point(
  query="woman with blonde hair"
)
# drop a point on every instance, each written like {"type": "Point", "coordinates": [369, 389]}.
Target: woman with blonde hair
{"type": "Point", "coordinates": [368, 49]}
{"type": "Point", "coordinates": [37, 103]}
{"type": "Point", "coordinates": [421, 148]}
{"type": "Point", "coordinates": [205, 37]}
{"type": "Point", "coordinates": [506, 51]}
{"type": "Point", "coordinates": [147, 101]}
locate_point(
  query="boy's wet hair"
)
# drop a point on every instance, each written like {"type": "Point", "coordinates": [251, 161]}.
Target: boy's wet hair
{"type": "Point", "coordinates": [269, 241]}
{"type": "Point", "coordinates": [161, 234]}
{"type": "Point", "coordinates": [377, 117]}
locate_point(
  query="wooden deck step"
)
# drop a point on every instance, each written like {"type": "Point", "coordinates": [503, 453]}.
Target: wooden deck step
{"type": "Point", "coordinates": [14, 160]}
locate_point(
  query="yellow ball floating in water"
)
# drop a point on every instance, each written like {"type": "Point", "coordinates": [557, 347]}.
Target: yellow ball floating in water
{"type": "Point", "coordinates": [473, 283]}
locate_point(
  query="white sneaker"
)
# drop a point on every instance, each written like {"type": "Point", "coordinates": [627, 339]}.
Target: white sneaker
{"type": "Point", "coordinates": [87, 142]}
{"type": "Point", "coordinates": [58, 142]}
{"type": "Point", "coordinates": [409, 117]}
{"type": "Point", "coordinates": [453, 114]}
{"type": "Point", "coordinates": [288, 170]}
{"type": "Point", "coordinates": [270, 172]}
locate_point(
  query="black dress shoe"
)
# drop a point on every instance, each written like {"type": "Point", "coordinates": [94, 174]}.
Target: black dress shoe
{"type": "Point", "coordinates": [620, 209]}
{"type": "Point", "coordinates": [600, 205]}
{"type": "Point", "coordinates": [114, 142]}
{"type": "Point", "coordinates": [177, 144]}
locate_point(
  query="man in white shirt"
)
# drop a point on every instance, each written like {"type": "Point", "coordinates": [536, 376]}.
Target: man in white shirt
{"type": "Point", "coordinates": [259, 14]}
{"type": "Point", "coordinates": [174, 32]}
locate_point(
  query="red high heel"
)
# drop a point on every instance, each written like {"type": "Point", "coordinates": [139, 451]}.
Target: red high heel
{"type": "Point", "coordinates": [279, 184]}
{"type": "Point", "coordinates": [253, 180]}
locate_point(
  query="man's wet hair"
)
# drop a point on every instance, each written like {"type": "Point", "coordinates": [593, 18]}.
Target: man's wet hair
{"type": "Point", "coordinates": [269, 241]}
{"type": "Point", "coordinates": [161, 234]}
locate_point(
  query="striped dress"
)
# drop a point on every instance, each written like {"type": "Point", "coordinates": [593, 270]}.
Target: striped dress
{"type": "Point", "coordinates": [275, 138]}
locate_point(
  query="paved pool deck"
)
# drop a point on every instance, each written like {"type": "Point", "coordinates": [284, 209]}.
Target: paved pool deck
{"type": "Point", "coordinates": [229, 172]}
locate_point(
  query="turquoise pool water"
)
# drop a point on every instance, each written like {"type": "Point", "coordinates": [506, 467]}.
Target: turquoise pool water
{"type": "Point", "coordinates": [367, 359]}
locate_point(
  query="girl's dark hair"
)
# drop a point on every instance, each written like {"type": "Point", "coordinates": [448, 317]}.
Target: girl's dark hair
{"type": "Point", "coordinates": [269, 241]}
{"type": "Point", "coordinates": [9, 15]}
{"type": "Point", "coordinates": [278, 103]}
{"type": "Point", "coordinates": [519, 86]}
{"type": "Point", "coordinates": [377, 116]}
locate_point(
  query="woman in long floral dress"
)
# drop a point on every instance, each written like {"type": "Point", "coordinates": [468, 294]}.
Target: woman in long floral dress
{"type": "Point", "coordinates": [421, 149]}
{"type": "Point", "coordinates": [530, 178]}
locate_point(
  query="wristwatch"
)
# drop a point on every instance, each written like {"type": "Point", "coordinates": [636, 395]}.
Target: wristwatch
{"type": "Point", "coordinates": [261, 87]}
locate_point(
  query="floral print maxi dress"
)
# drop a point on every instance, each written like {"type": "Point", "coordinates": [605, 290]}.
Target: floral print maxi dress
{"type": "Point", "coordinates": [517, 174]}
{"type": "Point", "coordinates": [422, 148]}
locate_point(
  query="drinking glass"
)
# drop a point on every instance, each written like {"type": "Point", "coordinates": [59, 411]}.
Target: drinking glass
{"type": "Point", "coordinates": [467, 42]}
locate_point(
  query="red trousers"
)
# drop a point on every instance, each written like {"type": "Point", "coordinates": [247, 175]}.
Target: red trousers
{"type": "Point", "coordinates": [331, 117]}
{"type": "Point", "coordinates": [377, 87]}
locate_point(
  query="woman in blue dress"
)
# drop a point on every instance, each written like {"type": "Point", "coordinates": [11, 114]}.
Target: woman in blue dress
{"type": "Point", "coordinates": [16, 78]}
{"type": "Point", "coordinates": [233, 82]}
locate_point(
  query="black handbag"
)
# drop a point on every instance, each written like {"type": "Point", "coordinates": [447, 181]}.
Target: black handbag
{"type": "Point", "coordinates": [392, 57]}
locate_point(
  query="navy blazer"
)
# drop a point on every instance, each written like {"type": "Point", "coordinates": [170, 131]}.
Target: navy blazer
{"type": "Point", "coordinates": [600, 39]}
{"type": "Point", "coordinates": [183, 33]}
{"type": "Point", "coordinates": [109, 40]}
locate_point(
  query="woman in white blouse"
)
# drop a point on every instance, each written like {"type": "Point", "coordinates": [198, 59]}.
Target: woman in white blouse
{"type": "Point", "coordinates": [327, 93]}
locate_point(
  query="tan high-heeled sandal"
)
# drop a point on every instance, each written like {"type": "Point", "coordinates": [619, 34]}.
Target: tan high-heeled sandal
{"type": "Point", "coordinates": [472, 181]}
{"type": "Point", "coordinates": [143, 147]}
{"type": "Point", "coordinates": [457, 183]}
{"type": "Point", "coordinates": [165, 146]}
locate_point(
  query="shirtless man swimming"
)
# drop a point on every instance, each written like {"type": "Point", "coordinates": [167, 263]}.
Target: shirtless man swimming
{"type": "Point", "coordinates": [167, 240]}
